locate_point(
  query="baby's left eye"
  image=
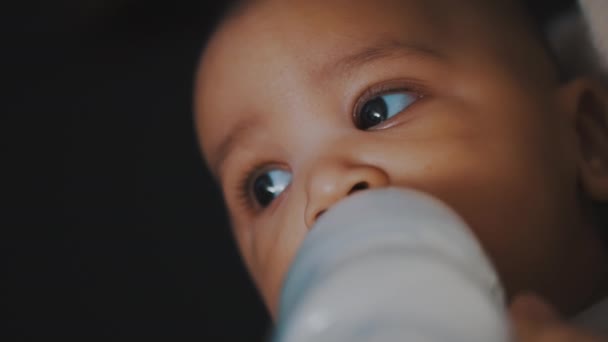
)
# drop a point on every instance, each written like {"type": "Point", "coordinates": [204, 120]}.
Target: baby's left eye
{"type": "Point", "coordinates": [383, 107]}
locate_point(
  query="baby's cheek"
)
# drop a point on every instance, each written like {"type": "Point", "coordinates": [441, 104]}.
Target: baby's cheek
{"type": "Point", "coordinates": [275, 241]}
{"type": "Point", "coordinates": [499, 187]}
{"type": "Point", "coordinates": [521, 223]}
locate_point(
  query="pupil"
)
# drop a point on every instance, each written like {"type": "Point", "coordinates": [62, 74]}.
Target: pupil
{"type": "Point", "coordinates": [261, 190]}
{"type": "Point", "coordinates": [373, 113]}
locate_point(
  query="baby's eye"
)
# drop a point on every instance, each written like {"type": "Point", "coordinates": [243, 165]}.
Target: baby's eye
{"type": "Point", "coordinates": [269, 185]}
{"type": "Point", "coordinates": [383, 107]}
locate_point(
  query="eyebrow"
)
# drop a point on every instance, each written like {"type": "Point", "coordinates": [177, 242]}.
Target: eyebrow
{"type": "Point", "coordinates": [381, 50]}
{"type": "Point", "coordinates": [390, 48]}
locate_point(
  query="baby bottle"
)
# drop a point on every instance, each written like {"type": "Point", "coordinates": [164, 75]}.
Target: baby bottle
{"type": "Point", "coordinates": [391, 265]}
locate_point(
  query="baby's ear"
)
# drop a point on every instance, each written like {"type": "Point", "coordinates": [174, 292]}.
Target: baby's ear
{"type": "Point", "coordinates": [587, 100]}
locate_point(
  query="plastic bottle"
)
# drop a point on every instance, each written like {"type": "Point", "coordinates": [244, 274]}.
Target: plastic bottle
{"type": "Point", "coordinates": [391, 265]}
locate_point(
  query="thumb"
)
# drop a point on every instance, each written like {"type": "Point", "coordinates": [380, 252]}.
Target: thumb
{"type": "Point", "coordinates": [531, 316]}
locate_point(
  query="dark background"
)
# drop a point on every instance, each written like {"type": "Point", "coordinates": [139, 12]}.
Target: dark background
{"type": "Point", "coordinates": [112, 228]}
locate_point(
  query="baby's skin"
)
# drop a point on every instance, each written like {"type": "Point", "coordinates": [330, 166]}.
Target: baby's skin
{"type": "Point", "coordinates": [300, 103]}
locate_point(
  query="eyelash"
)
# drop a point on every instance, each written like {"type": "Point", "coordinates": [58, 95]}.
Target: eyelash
{"type": "Point", "coordinates": [410, 86]}
{"type": "Point", "coordinates": [244, 184]}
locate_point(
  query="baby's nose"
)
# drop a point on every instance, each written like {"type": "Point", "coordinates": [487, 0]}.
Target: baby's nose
{"type": "Point", "coordinates": [329, 183]}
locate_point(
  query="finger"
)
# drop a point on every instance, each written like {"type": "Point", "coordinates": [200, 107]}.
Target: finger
{"type": "Point", "coordinates": [535, 320]}
{"type": "Point", "coordinates": [532, 317]}
{"type": "Point", "coordinates": [533, 308]}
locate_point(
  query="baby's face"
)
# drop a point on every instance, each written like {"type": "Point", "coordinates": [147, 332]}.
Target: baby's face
{"type": "Point", "coordinates": [300, 103]}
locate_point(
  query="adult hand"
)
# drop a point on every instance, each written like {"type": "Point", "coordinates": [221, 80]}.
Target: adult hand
{"type": "Point", "coordinates": [535, 321]}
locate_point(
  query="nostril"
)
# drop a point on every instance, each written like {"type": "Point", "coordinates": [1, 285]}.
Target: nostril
{"type": "Point", "coordinates": [359, 186]}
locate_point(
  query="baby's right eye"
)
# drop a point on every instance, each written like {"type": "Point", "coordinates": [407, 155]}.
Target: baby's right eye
{"type": "Point", "coordinates": [268, 185]}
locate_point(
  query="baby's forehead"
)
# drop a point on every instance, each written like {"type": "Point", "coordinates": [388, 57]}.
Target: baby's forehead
{"type": "Point", "coordinates": [312, 32]}
{"type": "Point", "coordinates": [327, 27]}
{"type": "Point", "coordinates": [294, 40]}
{"type": "Point", "coordinates": [305, 39]}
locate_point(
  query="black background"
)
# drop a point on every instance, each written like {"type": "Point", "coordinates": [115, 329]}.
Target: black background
{"type": "Point", "coordinates": [112, 228]}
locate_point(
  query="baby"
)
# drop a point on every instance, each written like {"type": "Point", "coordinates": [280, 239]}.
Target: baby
{"type": "Point", "coordinates": [300, 103]}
